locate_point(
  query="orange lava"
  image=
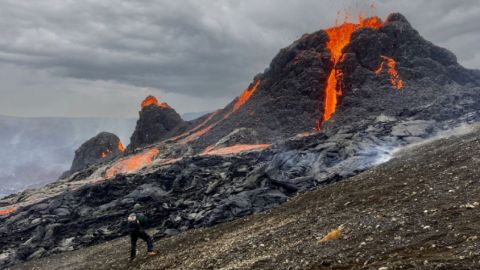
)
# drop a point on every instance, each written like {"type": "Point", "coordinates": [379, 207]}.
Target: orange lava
{"type": "Point", "coordinates": [201, 129]}
{"type": "Point", "coordinates": [120, 147]}
{"type": "Point", "coordinates": [235, 149]}
{"type": "Point", "coordinates": [243, 98]}
{"type": "Point", "coordinates": [191, 131]}
{"type": "Point", "coordinates": [133, 163]}
{"type": "Point", "coordinates": [338, 38]}
{"type": "Point", "coordinates": [151, 100]}
{"type": "Point", "coordinates": [392, 71]}
{"type": "Point", "coordinates": [105, 154]}
{"type": "Point", "coordinates": [197, 134]}
{"type": "Point", "coordinates": [7, 211]}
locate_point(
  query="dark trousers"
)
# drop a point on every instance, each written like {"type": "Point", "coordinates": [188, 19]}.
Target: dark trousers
{"type": "Point", "coordinates": [142, 235]}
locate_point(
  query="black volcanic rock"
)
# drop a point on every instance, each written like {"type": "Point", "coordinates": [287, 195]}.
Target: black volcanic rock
{"type": "Point", "coordinates": [100, 148]}
{"type": "Point", "coordinates": [435, 86]}
{"type": "Point", "coordinates": [157, 121]}
{"type": "Point", "coordinates": [239, 136]}
{"type": "Point", "coordinates": [287, 99]}
{"type": "Point", "coordinates": [289, 96]}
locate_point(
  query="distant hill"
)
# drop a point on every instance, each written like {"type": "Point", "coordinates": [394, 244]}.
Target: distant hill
{"type": "Point", "coordinates": [35, 151]}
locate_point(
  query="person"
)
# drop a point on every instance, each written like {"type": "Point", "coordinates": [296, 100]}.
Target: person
{"type": "Point", "coordinates": [137, 223]}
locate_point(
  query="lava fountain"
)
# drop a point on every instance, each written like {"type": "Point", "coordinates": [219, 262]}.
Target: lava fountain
{"type": "Point", "coordinates": [338, 38]}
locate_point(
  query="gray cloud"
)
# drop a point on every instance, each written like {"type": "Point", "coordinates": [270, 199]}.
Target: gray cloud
{"type": "Point", "coordinates": [197, 55]}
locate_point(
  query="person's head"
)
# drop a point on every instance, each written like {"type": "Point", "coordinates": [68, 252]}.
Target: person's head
{"type": "Point", "coordinates": [137, 207]}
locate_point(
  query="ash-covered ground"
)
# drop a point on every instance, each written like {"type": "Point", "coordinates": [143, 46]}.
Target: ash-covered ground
{"type": "Point", "coordinates": [420, 210]}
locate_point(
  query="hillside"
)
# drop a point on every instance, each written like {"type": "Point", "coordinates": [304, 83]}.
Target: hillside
{"type": "Point", "coordinates": [417, 211]}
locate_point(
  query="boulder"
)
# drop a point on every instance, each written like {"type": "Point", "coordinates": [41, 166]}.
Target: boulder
{"type": "Point", "coordinates": [105, 146]}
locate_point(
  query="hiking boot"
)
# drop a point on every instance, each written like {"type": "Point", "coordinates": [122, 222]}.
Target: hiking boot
{"type": "Point", "coordinates": [152, 253]}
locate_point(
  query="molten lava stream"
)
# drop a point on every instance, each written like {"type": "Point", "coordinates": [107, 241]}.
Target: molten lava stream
{"type": "Point", "coordinates": [6, 211]}
{"type": "Point", "coordinates": [235, 149]}
{"type": "Point", "coordinates": [338, 38]}
{"type": "Point", "coordinates": [133, 163]}
{"type": "Point", "coordinates": [197, 132]}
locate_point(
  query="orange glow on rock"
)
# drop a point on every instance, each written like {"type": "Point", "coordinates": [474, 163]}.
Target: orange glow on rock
{"type": "Point", "coordinates": [7, 211]}
{"type": "Point", "coordinates": [120, 147]}
{"type": "Point", "coordinates": [151, 100]}
{"type": "Point", "coordinates": [198, 127]}
{"type": "Point", "coordinates": [392, 71]}
{"type": "Point", "coordinates": [243, 98]}
{"type": "Point", "coordinates": [197, 134]}
{"type": "Point", "coordinates": [235, 149]}
{"type": "Point", "coordinates": [338, 38]}
{"type": "Point", "coordinates": [132, 163]}
{"type": "Point", "coordinates": [105, 153]}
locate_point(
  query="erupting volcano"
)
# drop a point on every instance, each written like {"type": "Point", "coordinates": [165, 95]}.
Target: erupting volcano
{"type": "Point", "coordinates": [260, 148]}
{"type": "Point", "coordinates": [338, 38]}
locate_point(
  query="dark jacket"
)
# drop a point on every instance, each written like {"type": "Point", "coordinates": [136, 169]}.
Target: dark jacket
{"type": "Point", "coordinates": [139, 224]}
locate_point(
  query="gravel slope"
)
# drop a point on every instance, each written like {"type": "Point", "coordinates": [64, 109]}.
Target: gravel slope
{"type": "Point", "coordinates": [418, 211]}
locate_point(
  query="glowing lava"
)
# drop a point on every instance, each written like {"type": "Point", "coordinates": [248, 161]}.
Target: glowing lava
{"type": "Point", "coordinates": [392, 71]}
{"type": "Point", "coordinates": [197, 134]}
{"type": "Point", "coordinates": [235, 149]}
{"type": "Point", "coordinates": [202, 128]}
{"type": "Point", "coordinates": [104, 154]}
{"type": "Point", "coordinates": [243, 98]}
{"type": "Point", "coordinates": [151, 100]}
{"type": "Point", "coordinates": [120, 147]}
{"type": "Point", "coordinates": [132, 163]}
{"type": "Point", "coordinates": [7, 211]}
{"type": "Point", "coordinates": [338, 38]}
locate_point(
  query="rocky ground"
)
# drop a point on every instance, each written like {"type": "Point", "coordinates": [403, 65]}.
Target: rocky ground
{"type": "Point", "coordinates": [420, 210]}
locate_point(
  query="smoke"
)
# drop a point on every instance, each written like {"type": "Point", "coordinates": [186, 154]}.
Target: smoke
{"type": "Point", "coordinates": [35, 151]}
{"type": "Point", "coordinates": [336, 159]}
{"type": "Point", "coordinates": [455, 131]}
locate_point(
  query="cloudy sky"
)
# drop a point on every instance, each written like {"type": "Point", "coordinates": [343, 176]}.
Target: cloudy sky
{"type": "Point", "coordinates": [102, 57]}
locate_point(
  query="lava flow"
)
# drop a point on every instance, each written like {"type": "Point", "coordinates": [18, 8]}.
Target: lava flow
{"type": "Point", "coordinates": [151, 100]}
{"type": "Point", "coordinates": [120, 147]}
{"type": "Point", "coordinates": [235, 149]}
{"type": "Point", "coordinates": [105, 153]}
{"type": "Point", "coordinates": [338, 38]}
{"type": "Point", "coordinates": [133, 163]}
{"type": "Point", "coordinates": [7, 211]}
{"type": "Point", "coordinates": [392, 71]}
{"type": "Point", "coordinates": [240, 101]}
{"type": "Point", "coordinates": [243, 98]}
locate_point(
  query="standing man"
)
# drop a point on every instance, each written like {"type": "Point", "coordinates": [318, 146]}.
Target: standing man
{"type": "Point", "coordinates": [137, 223]}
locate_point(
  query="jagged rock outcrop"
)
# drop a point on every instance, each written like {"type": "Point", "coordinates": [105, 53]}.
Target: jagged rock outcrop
{"type": "Point", "coordinates": [157, 121]}
{"type": "Point", "coordinates": [103, 147]}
